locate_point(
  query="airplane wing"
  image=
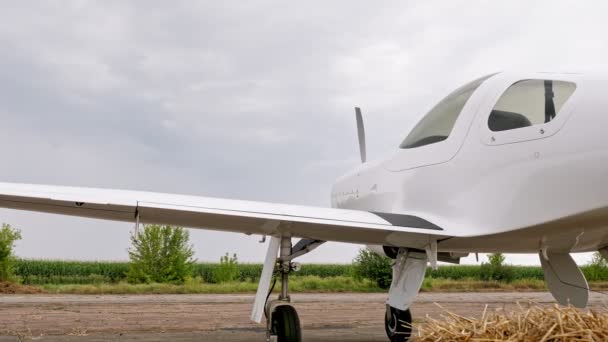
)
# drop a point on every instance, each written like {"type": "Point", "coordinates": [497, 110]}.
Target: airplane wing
{"type": "Point", "coordinates": [326, 224]}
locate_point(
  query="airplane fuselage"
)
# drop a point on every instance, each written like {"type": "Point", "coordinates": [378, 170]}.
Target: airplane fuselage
{"type": "Point", "coordinates": [538, 186]}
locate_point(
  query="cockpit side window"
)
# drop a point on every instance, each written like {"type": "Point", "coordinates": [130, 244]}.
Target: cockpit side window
{"type": "Point", "coordinates": [528, 103]}
{"type": "Point", "coordinates": [438, 123]}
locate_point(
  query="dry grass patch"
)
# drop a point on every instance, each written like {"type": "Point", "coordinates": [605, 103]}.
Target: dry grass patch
{"type": "Point", "coordinates": [12, 288]}
{"type": "Point", "coordinates": [474, 285]}
{"type": "Point", "coordinates": [534, 323]}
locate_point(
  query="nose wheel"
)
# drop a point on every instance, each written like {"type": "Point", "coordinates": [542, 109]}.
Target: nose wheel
{"type": "Point", "coordinates": [398, 324]}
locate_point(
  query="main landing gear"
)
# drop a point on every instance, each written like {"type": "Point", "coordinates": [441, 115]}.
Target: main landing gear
{"type": "Point", "coordinates": [282, 318]}
{"type": "Point", "coordinates": [283, 323]}
{"type": "Point", "coordinates": [398, 324]}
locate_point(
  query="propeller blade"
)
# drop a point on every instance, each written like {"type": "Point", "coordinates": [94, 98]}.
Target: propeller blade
{"type": "Point", "coordinates": [361, 134]}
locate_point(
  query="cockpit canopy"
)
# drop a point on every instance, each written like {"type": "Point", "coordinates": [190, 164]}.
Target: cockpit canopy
{"type": "Point", "coordinates": [525, 103]}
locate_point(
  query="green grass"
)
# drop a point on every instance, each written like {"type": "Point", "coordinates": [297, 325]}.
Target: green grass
{"type": "Point", "coordinates": [306, 284]}
{"type": "Point", "coordinates": [196, 286]}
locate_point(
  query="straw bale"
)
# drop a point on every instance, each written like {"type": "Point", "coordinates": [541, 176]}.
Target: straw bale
{"type": "Point", "coordinates": [531, 323]}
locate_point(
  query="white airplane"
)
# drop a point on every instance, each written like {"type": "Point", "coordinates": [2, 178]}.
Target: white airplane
{"type": "Point", "coordinates": [510, 162]}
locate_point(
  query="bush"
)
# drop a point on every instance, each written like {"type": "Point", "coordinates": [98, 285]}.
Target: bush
{"type": "Point", "coordinates": [369, 265]}
{"type": "Point", "coordinates": [160, 254]}
{"type": "Point", "coordinates": [496, 259]}
{"type": "Point", "coordinates": [8, 237]}
{"type": "Point", "coordinates": [598, 260]}
{"type": "Point", "coordinates": [496, 269]}
{"type": "Point", "coordinates": [597, 268]}
{"type": "Point", "coordinates": [228, 269]}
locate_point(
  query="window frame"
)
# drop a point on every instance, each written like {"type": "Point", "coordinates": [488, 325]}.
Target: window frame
{"type": "Point", "coordinates": [534, 132]}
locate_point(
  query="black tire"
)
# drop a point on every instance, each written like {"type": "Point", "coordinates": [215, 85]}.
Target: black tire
{"type": "Point", "coordinates": [398, 324]}
{"type": "Point", "coordinates": [286, 324]}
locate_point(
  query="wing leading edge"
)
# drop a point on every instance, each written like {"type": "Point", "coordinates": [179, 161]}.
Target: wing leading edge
{"type": "Point", "coordinates": [247, 217]}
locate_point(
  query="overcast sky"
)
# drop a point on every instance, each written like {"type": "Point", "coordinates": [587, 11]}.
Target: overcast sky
{"type": "Point", "coordinates": [248, 100]}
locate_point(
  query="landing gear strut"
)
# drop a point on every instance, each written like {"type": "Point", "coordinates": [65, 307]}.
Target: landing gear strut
{"type": "Point", "coordinates": [398, 324]}
{"type": "Point", "coordinates": [282, 321]}
{"type": "Point", "coordinates": [408, 274]}
{"type": "Point", "coordinates": [282, 318]}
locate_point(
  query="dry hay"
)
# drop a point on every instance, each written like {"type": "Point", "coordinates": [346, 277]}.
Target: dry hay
{"type": "Point", "coordinates": [532, 324]}
{"type": "Point", "coordinates": [12, 288]}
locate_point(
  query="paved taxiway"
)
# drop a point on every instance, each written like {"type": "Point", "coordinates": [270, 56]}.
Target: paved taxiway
{"type": "Point", "coordinates": [325, 317]}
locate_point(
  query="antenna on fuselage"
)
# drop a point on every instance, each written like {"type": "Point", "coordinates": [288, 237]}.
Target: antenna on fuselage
{"type": "Point", "coordinates": [361, 134]}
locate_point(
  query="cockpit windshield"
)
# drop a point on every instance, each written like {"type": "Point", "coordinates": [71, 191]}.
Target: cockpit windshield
{"type": "Point", "coordinates": [437, 125]}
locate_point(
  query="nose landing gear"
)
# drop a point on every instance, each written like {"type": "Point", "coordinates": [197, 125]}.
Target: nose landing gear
{"type": "Point", "coordinates": [398, 324]}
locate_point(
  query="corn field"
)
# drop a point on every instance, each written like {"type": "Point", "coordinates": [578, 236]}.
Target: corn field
{"type": "Point", "coordinates": [39, 272]}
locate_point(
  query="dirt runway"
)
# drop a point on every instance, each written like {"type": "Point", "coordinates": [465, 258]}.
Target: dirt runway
{"type": "Point", "coordinates": [325, 317]}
